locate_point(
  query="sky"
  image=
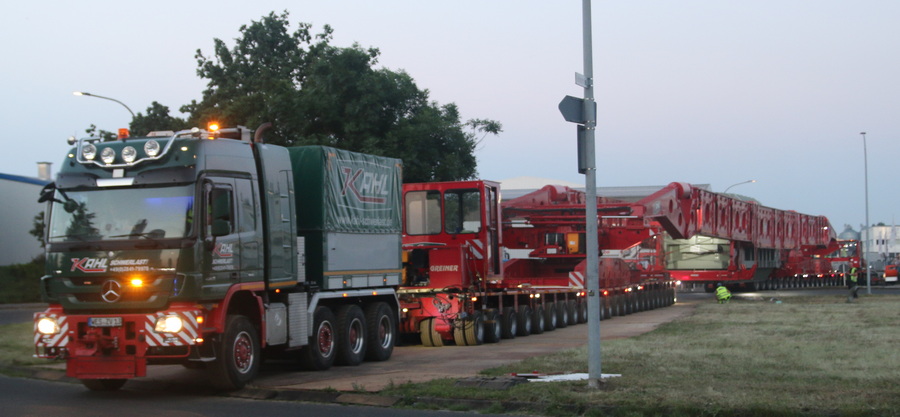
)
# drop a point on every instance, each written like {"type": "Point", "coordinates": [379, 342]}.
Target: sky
{"type": "Point", "coordinates": [697, 91]}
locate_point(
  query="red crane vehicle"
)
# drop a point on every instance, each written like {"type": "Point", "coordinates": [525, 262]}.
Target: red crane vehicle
{"type": "Point", "coordinates": [713, 238]}
{"type": "Point", "coordinates": [480, 271]}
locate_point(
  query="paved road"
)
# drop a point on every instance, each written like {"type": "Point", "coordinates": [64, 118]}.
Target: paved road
{"type": "Point", "coordinates": [18, 313]}
{"type": "Point", "coordinates": [32, 397]}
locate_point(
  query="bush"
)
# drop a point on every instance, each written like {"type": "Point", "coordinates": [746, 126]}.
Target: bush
{"type": "Point", "coordinates": [20, 283]}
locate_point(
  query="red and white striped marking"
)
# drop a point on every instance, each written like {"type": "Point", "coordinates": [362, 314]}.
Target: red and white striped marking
{"type": "Point", "coordinates": [189, 332]}
{"type": "Point", "coordinates": [477, 248]}
{"type": "Point", "coordinates": [57, 340]}
{"type": "Point", "coordinates": [576, 279]}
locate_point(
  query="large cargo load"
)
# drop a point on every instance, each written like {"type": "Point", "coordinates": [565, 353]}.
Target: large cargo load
{"type": "Point", "coordinates": [347, 214]}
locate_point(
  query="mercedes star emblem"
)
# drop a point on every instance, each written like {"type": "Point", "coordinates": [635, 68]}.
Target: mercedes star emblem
{"type": "Point", "coordinates": [111, 291]}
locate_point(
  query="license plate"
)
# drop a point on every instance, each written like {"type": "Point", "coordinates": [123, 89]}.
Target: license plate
{"type": "Point", "coordinates": [105, 321]}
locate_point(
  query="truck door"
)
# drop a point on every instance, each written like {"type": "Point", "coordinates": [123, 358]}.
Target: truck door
{"type": "Point", "coordinates": [220, 234]}
{"type": "Point", "coordinates": [249, 229]}
{"type": "Point", "coordinates": [491, 212]}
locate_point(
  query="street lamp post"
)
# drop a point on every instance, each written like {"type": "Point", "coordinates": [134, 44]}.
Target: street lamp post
{"type": "Point", "coordinates": [732, 185]}
{"type": "Point", "coordinates": [82, 93]}
{"type": "Point", "coordinates": [868, 226]}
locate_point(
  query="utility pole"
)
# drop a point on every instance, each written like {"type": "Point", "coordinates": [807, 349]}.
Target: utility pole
{"type": "Point", "coordinates": [584, 112]}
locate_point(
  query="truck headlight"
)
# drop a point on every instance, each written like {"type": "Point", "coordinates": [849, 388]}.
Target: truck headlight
{"type": "Point", "coordinates": [48, 326]}
{"type": "Point", "coordinates": [129, 154]}
{"type": "Point", "coordinates": [168, 324]}
{"type": "Point", "coordinates": [108, 155]}
{"type": "Point", "coordinates": [151, 147]}
{"type": "Point", "coordinates": [89, 151]}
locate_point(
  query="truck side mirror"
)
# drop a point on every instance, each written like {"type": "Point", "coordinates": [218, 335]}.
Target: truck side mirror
{"type": "Point", "coordinates": [47, 192]}
{"type": "Point", "coordinates": [221, 227]}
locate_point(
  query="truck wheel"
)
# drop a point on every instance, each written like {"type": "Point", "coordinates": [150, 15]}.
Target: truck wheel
{"type": "Point", "coordinates": [470, 332]}
{"type": "Point", "coordinates": [103, 384]}
{"type": "Point", "coordinates": [351, 341]}
{"type": "Point", "coordinates": [492, 326]}
{"type": "Point", "coordinates": [583, 313]}
{"type": "Point", "coordinates": [523, 321]}
{"type": "Point", "coordinates": [320, 353]}
{"type": "Point", "coordinates": [430, 336]}
{"type": "Point", "coordinates": [238, 356]}
{"type": "Point", "coordinates": [562, 315]}
{"type": "Point", "coordinates": [538, 319]}
{"type": "Point", "coordinates": [572, 309]}
{"type": "Point", "coordinates": [382, 327]}
{"type": "Point", "coordinates": [550, 317]}
{"type": "Point", "coordinates": [510, 323]}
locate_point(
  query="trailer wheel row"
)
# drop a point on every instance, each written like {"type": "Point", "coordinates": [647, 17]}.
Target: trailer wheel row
{"type": "Point", "coordinates": [781, 283]}
{"type": "Point", "coordinates": [492, 325]}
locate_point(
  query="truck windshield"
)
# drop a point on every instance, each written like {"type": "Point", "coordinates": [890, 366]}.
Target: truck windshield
{"type": "Point", "coordinates": [121, 214]}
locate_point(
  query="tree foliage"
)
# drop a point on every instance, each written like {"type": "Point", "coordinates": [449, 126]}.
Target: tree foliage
{"type": "Point", "coordinates": [318, 94]}
{"type": "Point", "coordinates": [157, 118]}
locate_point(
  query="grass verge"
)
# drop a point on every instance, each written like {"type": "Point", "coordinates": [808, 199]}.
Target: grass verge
{"type": "Point", "coordinates": [803, 357]}
{"type": "Point", "coordinates": [17, 345]}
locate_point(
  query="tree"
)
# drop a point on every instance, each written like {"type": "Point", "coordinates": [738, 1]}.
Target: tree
{"type": "Point", "coordinates": [103, 135]}
{"type": "Point", "coordinates": [157, 118]}
{"type": "Point", "coordinates": [319, 94]}
{"type": "Point", "coordinates": [37, 229]}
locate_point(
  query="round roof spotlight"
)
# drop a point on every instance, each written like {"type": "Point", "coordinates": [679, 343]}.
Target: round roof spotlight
{"type": "Point", "coordinates": [129, 154]}
{"type": "Point", "coordinates": [89, 151]}
{"type": "Point", "coordinates": [151, 148]}
{"type": "Point", "coordinates": [108, 155]}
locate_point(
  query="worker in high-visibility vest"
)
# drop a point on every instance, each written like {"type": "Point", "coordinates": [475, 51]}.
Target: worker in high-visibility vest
{"type": "Point", "coordinates": [722, 294]}
{"type": "Point", "coordinates": [852, 284]}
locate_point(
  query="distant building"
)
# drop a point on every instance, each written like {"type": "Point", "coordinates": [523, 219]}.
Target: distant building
{"type": "Point", "coordinates": [882, 244]}
{"type": "Point", "coordinates": [20, 195]}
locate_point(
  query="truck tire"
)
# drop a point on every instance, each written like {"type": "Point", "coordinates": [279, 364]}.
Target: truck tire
{"type": "Point", "coordinates": [429, 335]}
{"type": "Point", "coordinates": [509, 323]}
{"type": "Point", "coordinates": [351, 341]}
{"type": "Point", "coordinates": [550, 317]}
{"type": "Point", "coordinates": [238, 358]}
{"type": "Point", "coordinates": [493, 327]}
{"type": "Point", "coordinates": [574, 313]}
{"type": "Point", "coordinates": [537, 320]}
{"type": "Point", "coordinates": [320, 353]}
{"type": "Point", "coordinates": [103, 384]}
{"type": "Point", "coordinates": [562, 315]}
{"type": "Point", "coordinates": [470, 332]}
{"type": "Point", "coordinates": [524, 321]}
{"type": "Point", "coordinates": [382, 330]}
{"type": "Point", "coordinates": [583, 311]}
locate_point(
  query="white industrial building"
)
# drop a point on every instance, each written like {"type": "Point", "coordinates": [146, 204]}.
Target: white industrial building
{"type": "Point", "coordinates": [20, 206]}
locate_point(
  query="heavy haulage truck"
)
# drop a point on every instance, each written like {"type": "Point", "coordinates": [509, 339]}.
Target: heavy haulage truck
{"type": "Point", "coordinates": [211, 249]}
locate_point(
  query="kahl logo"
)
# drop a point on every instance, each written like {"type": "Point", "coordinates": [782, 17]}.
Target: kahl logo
{"type": "Point", "coordinates": [224, 250]}
{"type": "Point", "coordinates": [89, 265]}
{"type": "Point", "coordinates": [371, 184]}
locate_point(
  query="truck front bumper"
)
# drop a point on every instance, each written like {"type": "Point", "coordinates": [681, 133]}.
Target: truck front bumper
{"type": "Point", "coordinates": [114, 346]}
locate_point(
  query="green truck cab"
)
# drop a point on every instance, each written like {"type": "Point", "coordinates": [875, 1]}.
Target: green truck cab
{"type": "Point", "coordinates": [210, 249]}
